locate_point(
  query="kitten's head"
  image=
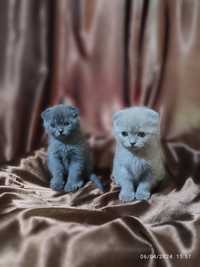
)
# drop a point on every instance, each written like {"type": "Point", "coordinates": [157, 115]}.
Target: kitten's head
{"type": "Point", "coordinates": [61, 121]}
{"type": "Point", "coordinates": [136, 127]}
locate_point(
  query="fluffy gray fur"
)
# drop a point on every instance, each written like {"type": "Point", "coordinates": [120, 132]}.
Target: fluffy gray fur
{"type": "Point", "coordinates": [138, 160]}
{"type": "Point", "coordinates": [69, 158]}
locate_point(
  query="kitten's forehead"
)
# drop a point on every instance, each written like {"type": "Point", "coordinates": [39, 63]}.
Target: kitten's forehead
{"type": "Point", "coordinates": [61, 112]}
{"type": "Point", "coordinates": [58, 118]}
{"type": "Point", "coordinates": [137, 118]}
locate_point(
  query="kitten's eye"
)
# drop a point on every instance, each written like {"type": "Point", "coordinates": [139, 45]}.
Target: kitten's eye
{"type": "Point", "coordinates": [52, 125]}
{"type": "Point", "coordinates": [75, 115]}
{"type": "Point", "coordinates": [66, 123]}
{"type": "Point", "coordinates": [141, 134]}
{"type": "Point", "coordinates": [124, 133]}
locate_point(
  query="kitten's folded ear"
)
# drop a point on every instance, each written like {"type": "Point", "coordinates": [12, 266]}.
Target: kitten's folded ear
{"type": "Point", "coordinates": [75, 111]}
{"type": "Point", "coordinates": [116, 115]}
{"type": "Point", "coordinates": [45, 114]}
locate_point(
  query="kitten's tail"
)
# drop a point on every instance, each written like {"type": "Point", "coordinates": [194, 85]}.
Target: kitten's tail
{"type": "Point", "coordinates": [97, 182]}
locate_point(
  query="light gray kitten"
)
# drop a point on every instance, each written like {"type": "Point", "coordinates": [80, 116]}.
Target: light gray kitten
{"type": "Point", "coordinates": [138, 161]}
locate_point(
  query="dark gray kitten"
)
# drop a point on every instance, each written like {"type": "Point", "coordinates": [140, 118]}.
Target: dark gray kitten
{"type": "Point", "coordinates": [69, 159]}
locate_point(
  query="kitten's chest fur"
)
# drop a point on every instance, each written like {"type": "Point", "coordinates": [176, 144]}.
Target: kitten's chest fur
{"type": "Point", "coordinates": [136, 163]}
{"type": "Point", "coordinates": [66, 151]}
{"type": "Point", "coordinates": [125, 159]}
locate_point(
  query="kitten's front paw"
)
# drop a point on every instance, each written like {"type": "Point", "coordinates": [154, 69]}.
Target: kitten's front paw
{"type": "Point", "coordinates": [57, 184]}
{"type": "Point", "coordinates": [126, 196]}
{"type": "Point", "coordinates": [71, 187]}
{"type": "Point", "coordinates": [142, 195]}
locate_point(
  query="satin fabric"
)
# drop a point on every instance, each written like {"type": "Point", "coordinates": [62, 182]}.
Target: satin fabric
{"type": "Point", "coordinates": [100, 55]}
{"type": "Point", "coordinates": [40, 227]}
{"type": "Point", "coordinates": [24, 74]}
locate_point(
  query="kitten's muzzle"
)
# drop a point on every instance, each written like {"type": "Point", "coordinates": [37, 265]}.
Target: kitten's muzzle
{"type": "Point", "coordinates": [132, 144]}
{"type": "Point", "coordinates": [60, 131]}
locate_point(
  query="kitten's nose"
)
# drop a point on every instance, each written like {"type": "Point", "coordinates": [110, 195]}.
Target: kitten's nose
{"type": "Point", "coordinates": [60, 131]}
{"type": "Point", "coordinates": [132, 143]}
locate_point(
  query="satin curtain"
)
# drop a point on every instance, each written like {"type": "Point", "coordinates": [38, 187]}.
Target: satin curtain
{"type": "Point", "coordinates": [99, 55]}
{"type": "Point", "coordinates": [25, 60]}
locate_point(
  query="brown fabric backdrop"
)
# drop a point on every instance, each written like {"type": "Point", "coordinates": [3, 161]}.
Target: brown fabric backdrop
{"type": "Point", "coordinates": [100, 55]}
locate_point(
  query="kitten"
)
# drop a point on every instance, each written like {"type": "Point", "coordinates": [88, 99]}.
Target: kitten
{"type": "Point", "coordinates": [138, 160]}
{"type": "Point", "coordinates": [69, 159]}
